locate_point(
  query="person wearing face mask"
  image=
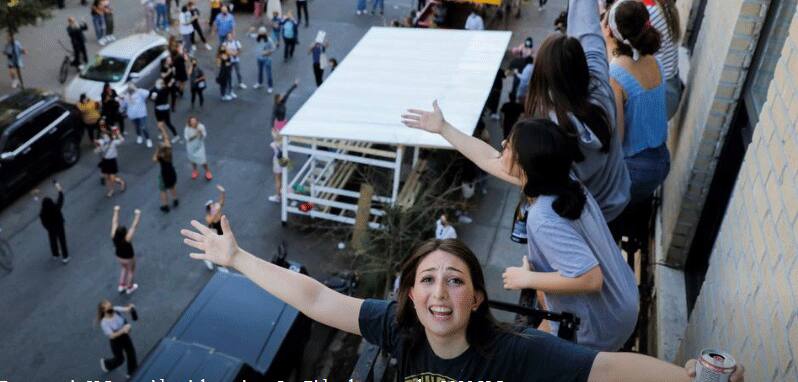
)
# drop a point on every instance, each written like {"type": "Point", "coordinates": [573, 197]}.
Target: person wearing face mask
{"type": "Point", "coordinates": [224, 24]}
{"type": "Point", "coordinates": [115, 326]}
{"type": "Point", "coordinates": [440, 326]}
{"type": "Point", "coordinates": [134, 102]}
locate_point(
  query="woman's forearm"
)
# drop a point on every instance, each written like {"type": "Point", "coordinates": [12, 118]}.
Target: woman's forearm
{"type": "Point", "coordinates": [553, 282]}
{"type": "Point", "coordinates": [477, 151]}
{"type": "Point", "coordinates": [302, 292]}
{"type": "Point", "coordinates": [620, 367]}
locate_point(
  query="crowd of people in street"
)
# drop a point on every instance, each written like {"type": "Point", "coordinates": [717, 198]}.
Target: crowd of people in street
{"type": "Point", "coordinates": [586, 154]}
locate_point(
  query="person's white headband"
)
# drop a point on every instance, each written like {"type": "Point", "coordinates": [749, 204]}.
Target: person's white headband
{"type": "Point", "coordinates": [614, 28]}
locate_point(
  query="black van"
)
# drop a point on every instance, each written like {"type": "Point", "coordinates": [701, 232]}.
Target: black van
{"type": "Point", "coordinates": [38, 132]}
{"type": "Point", "coordinates": [233, 330]}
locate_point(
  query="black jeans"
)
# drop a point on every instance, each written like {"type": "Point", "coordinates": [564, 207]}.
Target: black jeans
{"type": "Point", "coordinates": [318, 72]}
{"type": "Point", "coordinates": [79, 50]}
{"type": "Point", "coordinates": [288, 51]}
{"type": "Point", "coordinates": [302, 5]}
{"type": "Point", "coordinates": [163, 116]}
{"type": "Point", "coordinates": [91, 131]}
{"type": "Point", "coordinates": [197, 93]}
{"type": "Point", "coordinates": [118, 345]}
{"type": "Point", "coordinates": [197, 30]}
{"type": "Point", "coordinates": [58, 236]}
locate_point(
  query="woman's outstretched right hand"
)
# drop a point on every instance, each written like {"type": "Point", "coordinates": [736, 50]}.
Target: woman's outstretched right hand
{"type": "Point", "coordinates": [218, 249]}
{"type": "Point", "coordinates": [431, 121]}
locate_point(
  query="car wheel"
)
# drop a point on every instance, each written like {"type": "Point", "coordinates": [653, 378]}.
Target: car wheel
{"type": "Point", "coordinates": [70, 152]}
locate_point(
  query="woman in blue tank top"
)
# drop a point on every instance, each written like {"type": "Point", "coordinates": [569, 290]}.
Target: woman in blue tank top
{"type": "Point", "coordinates": [637, 80]}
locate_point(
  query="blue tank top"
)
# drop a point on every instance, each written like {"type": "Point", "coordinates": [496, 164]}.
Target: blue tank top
{"type": "Point", "coordinates": [644, 113]}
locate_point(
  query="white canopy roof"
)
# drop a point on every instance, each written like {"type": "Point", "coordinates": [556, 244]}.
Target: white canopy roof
{"type": "Point", "coordinates": [393, 69]}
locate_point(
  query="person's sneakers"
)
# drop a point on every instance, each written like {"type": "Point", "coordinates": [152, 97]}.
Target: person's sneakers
{"type": "Point", "coordinates": [15, 83]}
{"type": "Point", "coordinates": [149, 143]}
{"type": "Point", "coordinates": [208, 175]}
{"type": "Point", "coordinates": [176, 139]}
{"type": "Point", "coordinates": [132, 289]}
{"type": "Point", "coordinates": [275, 199]}
{"type": "Point", "coordinates": [208, 264]}
{"type": "Point", "coordinates": [175, 203]}
{"type": "Point", "coordinates": [102, 365]}
{"type": "Point", "coordinates": [120, 289]}
{"type": "Point", "coordinates": [139, 140]}
{"type": "Point", "coordinates": [208, 46]}
{"type": "Point", "coordinates": [269, 90]}
{"type": "Point", "coordinates": [65, 260]}
{"type": "Point", "coordinates": [165, 209]}
{"type": "Point", "coordinates": [358, 12]}
{"type": "Point", "coordinates": [464, 219]}
{"type": "Point", "coordinates": [226, 98]}
{"type": "Point", "coordinates": [194, 174]}
{"type": "Point", "coordinates": [257, 86]}
{"type": "Point", "coordinates": [242, 85]}
{"type": "Point", "coordinates": [234, 95]}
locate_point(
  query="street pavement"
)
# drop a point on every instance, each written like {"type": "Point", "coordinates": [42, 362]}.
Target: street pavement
{"type": "Point", "coordinates": [47, 328]}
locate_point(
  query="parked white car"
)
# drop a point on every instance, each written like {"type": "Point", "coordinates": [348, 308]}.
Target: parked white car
{"type": "Point", "coordinates": [135, 58]}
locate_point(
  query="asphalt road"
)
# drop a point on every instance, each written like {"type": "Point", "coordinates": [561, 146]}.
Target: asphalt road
{"type": "Point", "coordinates": [47, 331]}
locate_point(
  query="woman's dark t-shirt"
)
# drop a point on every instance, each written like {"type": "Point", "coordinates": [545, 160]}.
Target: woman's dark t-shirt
{"type": "Point", "coordinates": [527, 357]}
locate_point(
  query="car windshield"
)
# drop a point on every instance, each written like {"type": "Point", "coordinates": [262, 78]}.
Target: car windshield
{"type": "Point", "coordinates": [106, 69]}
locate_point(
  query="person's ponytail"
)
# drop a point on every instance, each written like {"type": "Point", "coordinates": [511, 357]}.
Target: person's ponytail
{"type": "Point", "coordinates": [570, 201]}
{"type": "Point", "coordinates": [648, 41]}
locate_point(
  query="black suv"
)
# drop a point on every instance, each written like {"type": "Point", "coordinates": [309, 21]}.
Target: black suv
{"type": "Point", "coordinates": [38, 131]}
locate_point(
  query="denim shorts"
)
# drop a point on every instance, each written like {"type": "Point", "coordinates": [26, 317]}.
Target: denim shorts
{"type": "Point", "coordinates": [647, 171]}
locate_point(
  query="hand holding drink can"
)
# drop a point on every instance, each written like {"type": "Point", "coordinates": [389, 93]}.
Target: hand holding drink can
{"type": "Point", "coordinates": [714, 366]}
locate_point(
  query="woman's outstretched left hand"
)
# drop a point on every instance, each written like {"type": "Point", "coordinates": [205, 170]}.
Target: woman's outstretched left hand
{"type": "Point", "coordinates": [431, 121]}
{"type": "Point", "coordinates": [218, 249]}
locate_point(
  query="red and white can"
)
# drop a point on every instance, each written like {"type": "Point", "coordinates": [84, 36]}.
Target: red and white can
{"type": "Point", "coordinates": [714, 366]}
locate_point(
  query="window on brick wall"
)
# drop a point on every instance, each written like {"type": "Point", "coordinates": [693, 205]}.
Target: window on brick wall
{"type": "Point", "coordinates": [768, 52]}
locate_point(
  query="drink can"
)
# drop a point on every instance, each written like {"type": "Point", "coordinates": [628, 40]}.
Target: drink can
{"type": "Point", "coordinates": [714, 366]}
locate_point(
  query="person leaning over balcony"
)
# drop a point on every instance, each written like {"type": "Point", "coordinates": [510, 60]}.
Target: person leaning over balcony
{"type": "Point", "coordinates": [440, 326]}
{"type": "Point", "coordinates": [583, 106]}
{"type": "Point", "coordinates": [638, 83]}
{"type": "Point", "coordinates": [577, 264]}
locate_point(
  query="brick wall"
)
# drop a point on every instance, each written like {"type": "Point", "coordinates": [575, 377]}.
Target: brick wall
{"type": "Point", "coordinates": [718, 68]}
{"type": "Point", "coordinates": [749, 302]}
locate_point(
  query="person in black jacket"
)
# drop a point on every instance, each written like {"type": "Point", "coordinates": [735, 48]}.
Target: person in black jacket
{"type": "Point", "coordinates": [53, 222]}
{"type": "Point", "coordinates": [75, 32]}
{"type": "Point", "coordinates": [279, 112]}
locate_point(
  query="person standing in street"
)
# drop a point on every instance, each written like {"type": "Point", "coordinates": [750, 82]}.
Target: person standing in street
{"type": "Point", "coordinates": [265, 50]}
{"type": "Point", "coordinates": [216, 9]}
{"type": "Point", "coordinates": [186, 29]}
{"type": "Point", "coordinates": [279, 118]}
{"type": "Point", "coordinates": [134, 102]}
{"type": "Point", "coordinates": [111, 108]}
{"type": "Point", "coordinates": [195, 23]}
{"type": "Point", "coordinates": [108, 15]}
{"type": "Point", "coordinates": [198, 83]}
{"type": "Point", "coordinates": [161, 16]}
{"type": "Point", "coordinates": [167, 179]}
{"type": "Point", "coordinates": [378, 4]}
{"type": "Point", "coordinates": [318, 50]}
{"type": "Point", "coordinates": [90, 115]}
{"type": "Point", "coordinates": [224, 77]}
{"type": "Point", "coordinates": [474, 21]}
{"type": "Point", "coordinates": [278, 162]}
{"type": "Point", "coordinates": [160, 95]}
{"type": "Point", "coordinates": [360, 8]}
{"type": "Point", "coordinates": [149, 15]}
{"type": "Point", "coordinates": [302, 5]}
{"type": "Point", "coordinates": [78, 40]}
{"type": "Point", "coordinates": [195, 135]}
{"type": "Point", "coordinates": [98, 19]}
{"type": "Point", "coordinates": [180, 60]}
{"type": "Point", "coordinates": [53, 222]}
{"type": "Point", "coordinates": [106, 146]}
{"type": "Point", "coordinates": [290, 35]}
{"type": "Point", "coordinates": [224, 24]}
{"type": "Point", "coordinates": [117, 329]}
{"type": "Point", "coordinates": [122, 238]}
{"type": "Point", "coordinates": [14, 52]}
{"type": "Point", "coordinates": [277, 28]}
{"type": "Point", "coordinates": [444, 230]}
{"type": "Point", "coordinates": [233, 48]}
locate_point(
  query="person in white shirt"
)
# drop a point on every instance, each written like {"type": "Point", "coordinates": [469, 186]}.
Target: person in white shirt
{"type": "Point", "coordinates": [134, 102]}
{"type": "Point", "coordinates": [474, 22]}
{"type": "Point", "coordinates": [233, 48]}
{"type": "Point", "coordinates": [186, 29]}
{"type": "Point", "coordinates": [444, 230]}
